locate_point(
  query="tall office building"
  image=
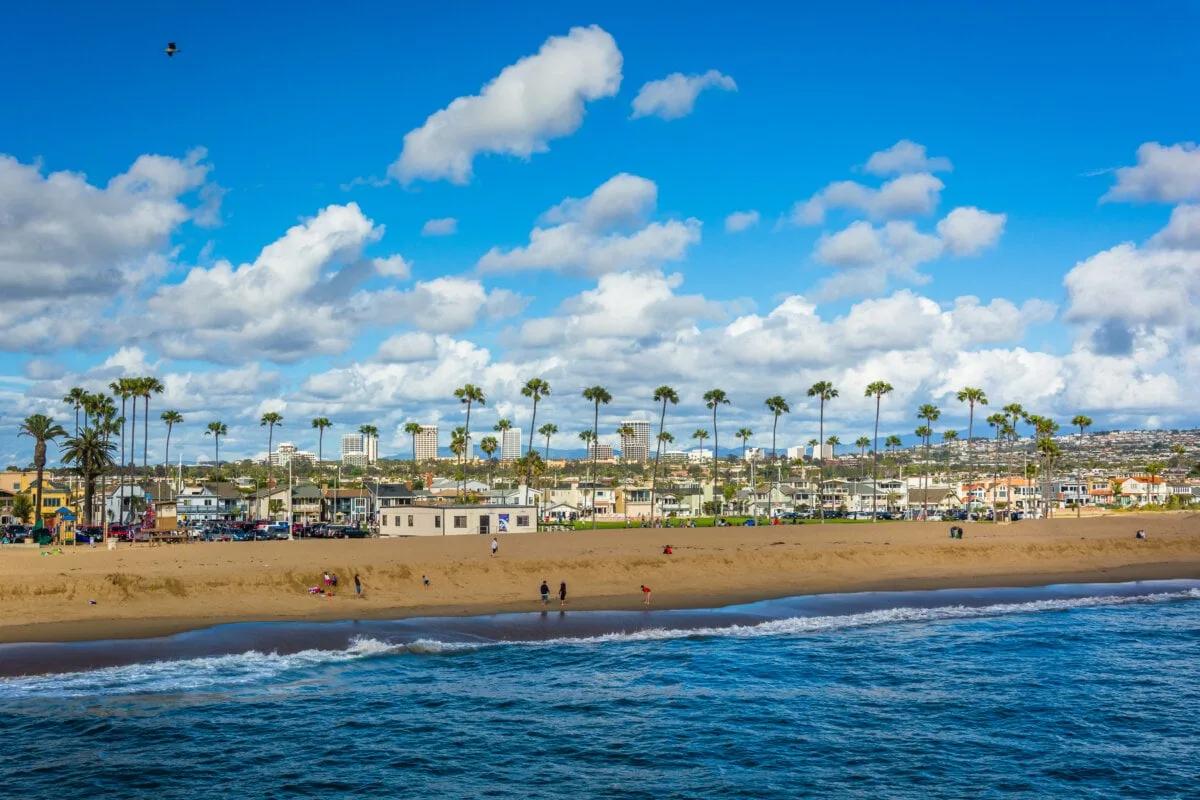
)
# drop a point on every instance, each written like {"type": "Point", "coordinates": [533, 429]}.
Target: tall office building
{"type": "Point", "coordinates": [636, 448]}
{"type": "Point", "coordinates": [354, 449]}
{"type": "Point", "coordinates": [510, 444]}
{"type": "Point", "coordinates": [602, 452]}
{"type": "Point", "coordinates": [426, 443]}
{"type": "Point", "coordinates": [372, 449]}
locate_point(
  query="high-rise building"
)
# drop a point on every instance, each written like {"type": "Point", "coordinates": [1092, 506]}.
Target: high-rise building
{"type": "Point", "coordinates": [635, 448]}
{"type": "Point", "coordinates": [425, 443]}
{"type": "Point", "coordinates": [286, 452]}
{"type": "Point", "coordinates": [372, 449]}
{"type": "Point", "coordinates": [354, 449]}
{"type": "Point", "coordinates": [602, 452]}
{"type": "Point", "coordinates": [510, 444]}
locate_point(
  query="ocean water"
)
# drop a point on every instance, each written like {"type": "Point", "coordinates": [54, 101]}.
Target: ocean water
{"type": "Point", "coordinates": [1064, 691]}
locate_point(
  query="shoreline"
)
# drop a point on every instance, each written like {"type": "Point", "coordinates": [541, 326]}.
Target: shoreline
{"type": "Point", "coordinates": [149, 592]}
{"type": "Point", "coordinates": [90, 631]}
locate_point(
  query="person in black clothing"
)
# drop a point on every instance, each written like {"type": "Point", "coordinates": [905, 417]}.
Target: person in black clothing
{"type": "Point", "coordinates": [562, 594]}
{"type": "Point", "coordinates": [545, 590]}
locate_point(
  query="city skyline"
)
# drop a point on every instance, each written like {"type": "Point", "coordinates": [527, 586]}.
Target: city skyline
{"type": "Point", "coordinates": [681, 208]}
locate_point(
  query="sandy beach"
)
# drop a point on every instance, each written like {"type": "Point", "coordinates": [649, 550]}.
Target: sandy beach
{"type": "Point", "coordinates": [144, 591]}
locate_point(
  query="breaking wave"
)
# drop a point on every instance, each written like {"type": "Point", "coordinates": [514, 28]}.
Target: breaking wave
{"type": "Point", "coordinates": [254, 668]}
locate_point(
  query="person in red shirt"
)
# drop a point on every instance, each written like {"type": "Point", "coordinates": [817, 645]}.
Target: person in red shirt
{"type": "Point", "coordinates": [645, 595]}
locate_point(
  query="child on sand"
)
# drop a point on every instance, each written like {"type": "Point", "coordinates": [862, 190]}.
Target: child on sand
{"type": "Point", "coordinates": [495, 546]}
{"type": "Point", "coordinates": [645, 595]}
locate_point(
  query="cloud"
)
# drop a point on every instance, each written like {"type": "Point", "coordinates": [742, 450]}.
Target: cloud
{"type": "Point", "coordinates": [443, 305]}
{"type": "Point", "coordinates": [1163, 174]}
{"type": "Point", "coordinates": [65, 241]}
{"type": "Point", "coordinates": [607, 231]}
{"type": "Point", "coordinates": [442, 226]}
{"type": "Point", "coordinates": [906, 196]}
{"type": "Point", "coordinates": [1182, 231]}
{"type": "Point", "coordinates": [903, 157]}
{"type": "Point", "coordinates": [967, 230]}
{"type": "Point", "coordinates": [675, 96]}
{"type": "Point", "coordinates": [740, 221]}
{"type": "Point", "coordinates": [395, 266]}
{"type": "Point", "coordinates": [404, 348]}
{"type": "Point", "coordinates": [539, 98]}
{"type": "Point", "coordinates": [280, 305]}
{"type": "Point", "coordinates": [1135, 286]}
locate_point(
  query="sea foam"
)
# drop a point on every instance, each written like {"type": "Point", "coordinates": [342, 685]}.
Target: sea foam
{"type": "Point", "coordinates": [255, 669]}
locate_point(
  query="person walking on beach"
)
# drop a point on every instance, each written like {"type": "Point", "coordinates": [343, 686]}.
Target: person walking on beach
{"type": "Point", "coordinates": [357, 585]}
{"type": "Point", "coordinates": [645, 595]}
{"type": "Point", "coordinates": [545, 590]}
{"type": "Point", "coordinates": [495, 546]}
{"type": "Point", "coordinates": [562, 594]}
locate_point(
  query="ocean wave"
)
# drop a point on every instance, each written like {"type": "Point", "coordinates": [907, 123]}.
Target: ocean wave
{"type": "Point", "coordinates": [254, 668]}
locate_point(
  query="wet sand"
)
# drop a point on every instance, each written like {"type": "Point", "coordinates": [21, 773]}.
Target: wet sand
{"type": "Point", "coordinates": [142, 591]}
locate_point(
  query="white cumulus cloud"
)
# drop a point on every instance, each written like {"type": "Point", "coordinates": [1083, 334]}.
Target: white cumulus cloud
{"type": "Point", "coordinates": [905, 156]}
{"type": "Point", "coordinates": [1163, 174]}
{"type": "Point", "coordinates": [740, 221]}
{"type": "Point", "coordinates": [675, 96]}
{"type": "Point", "coordinates": [968, 230]}
{"type": "Point", "coordinates": [539, 98]}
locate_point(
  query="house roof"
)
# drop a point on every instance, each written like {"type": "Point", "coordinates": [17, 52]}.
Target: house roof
{"type": "Point", "coordinates": [225, 491]}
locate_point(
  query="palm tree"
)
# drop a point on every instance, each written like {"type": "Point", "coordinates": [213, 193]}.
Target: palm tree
{"type": "Point", "coordinates": [664, 395]}
{"type": "Point", "coordinates": [713, 399]}
{"type": "Point", "coordinates": [862, 443]}
{"type": "Point", "coordinates": [412, 429]}
{"type": "Point", "coordinates": [121, 388]}
{"type": "Point", "coordinates": [948, 438]}
{"type": "Point", "coordinates": [972, 396]}
{"type": "Point", "coordinates": [548, 430]}
{"type": "Point", "coordinates": [532, 465]}
{"type": "Point", "coordinates": [777, 406]}
{"type": "Point", "coordinates": [147, 387]}
{"type": "Point", "coordinates": [998, 421]}
{"type": "Point", "coordinates": [216, 429]}
{"type": "Point", "coordinates": [41, 429]}
{"type": "Point", "coordinates": [1014, 414]}
{"type": "Point", "coordinates": [488, 445]}
{"type": "Point", "coordinates": [663, 439]}
{"type": "Point", "coordinates": [171, 418]}
{"type": "Point", "coordinates": [458, 446]}
{"type": "Point", "coordinates": [744, 434]}
{"type": "Point", "coordinates": [1153, 470]}
{"type": "Point", "coordinates": [370, 434]}
{"type": "Point", "coordinates": [92, 453]}
{"type": "Point", "coordinates": [270, 420]}
{"type": "Point", "coordinates": [468, 394]}
{"type": "Point", "coordinates": [700, 434]}
{"type": "Point", "coordinates": [74, 398]}
{"type": "Point", "coordinates": [930, 413]}
{"type": "Point", "coordinates": [833, 442]}
{"type": "Point", "coordinates": [924, 432]}
{"type": "Point", "coordinates": [1081, 421]}
{"type": "Point", "coordinates": [894, 442]}
{"type": "Point", "coordinates": [103, 413]}
{"type": "Point", "coordinates": [877, 389]}
{"type": "Point", "coordinates": [320, 424]}
{"type": "Point", "coordinates": [824, 392]}
{"type": "Point", "coordinates": [535, 389]}
{"type": "Point", "coordinates": [597, 395]}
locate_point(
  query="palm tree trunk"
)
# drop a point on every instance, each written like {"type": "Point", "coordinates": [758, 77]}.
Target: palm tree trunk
{"type": "Point", "coordinates": [662, 421]}
{"type": "Point", "coordinates": [145, 430]}
{"type": "Point", "coordinates": [595, 448]}
{"type": "Point", "coordinates": [875, 463]}
{"type": "Point", "coordinates": [529, 450]}
{"type": "Point", "coordinates": [167, 453]}
{"type": "Point", "coordinates": [40, 464]}
{"type": "Point", "coordinates": [821, 468]}
{"type": "Point", "coordinates": [716, 449]}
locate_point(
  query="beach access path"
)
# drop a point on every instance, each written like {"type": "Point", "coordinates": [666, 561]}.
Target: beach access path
{"type": "Point", "coordinates": [154, 590]}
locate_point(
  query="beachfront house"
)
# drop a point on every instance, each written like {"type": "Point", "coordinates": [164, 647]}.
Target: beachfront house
{"type": "Point", "coordinates": [457, 519]}
{"type": "Point", "coordinates": [210, 502]}
{"type": "Point", "coordinates": [1140, 490]}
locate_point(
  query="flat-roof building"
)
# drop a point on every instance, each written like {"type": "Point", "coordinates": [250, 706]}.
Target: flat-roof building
{"type": "Point", "coordinates": [456, 519]}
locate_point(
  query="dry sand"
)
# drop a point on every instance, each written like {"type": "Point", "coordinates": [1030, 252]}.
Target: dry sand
{"type": "Point", "coordinates": [143, 590]}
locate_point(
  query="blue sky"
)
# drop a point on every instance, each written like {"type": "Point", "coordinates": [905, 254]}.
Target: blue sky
{"type": "Point", "coordinates": [1033, 108]}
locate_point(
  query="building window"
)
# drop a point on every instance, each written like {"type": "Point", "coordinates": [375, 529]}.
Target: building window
{"type": "Point", "coordinates": [523, 522]}
{"type": "Point", "coordinates": [410, 520]}
{"type": "Point", "coordinates": [437, 522]}
{"type": "Point", "coordinates": [385, 519]}
{"type": "Point", "coordinates": [460, 522]}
